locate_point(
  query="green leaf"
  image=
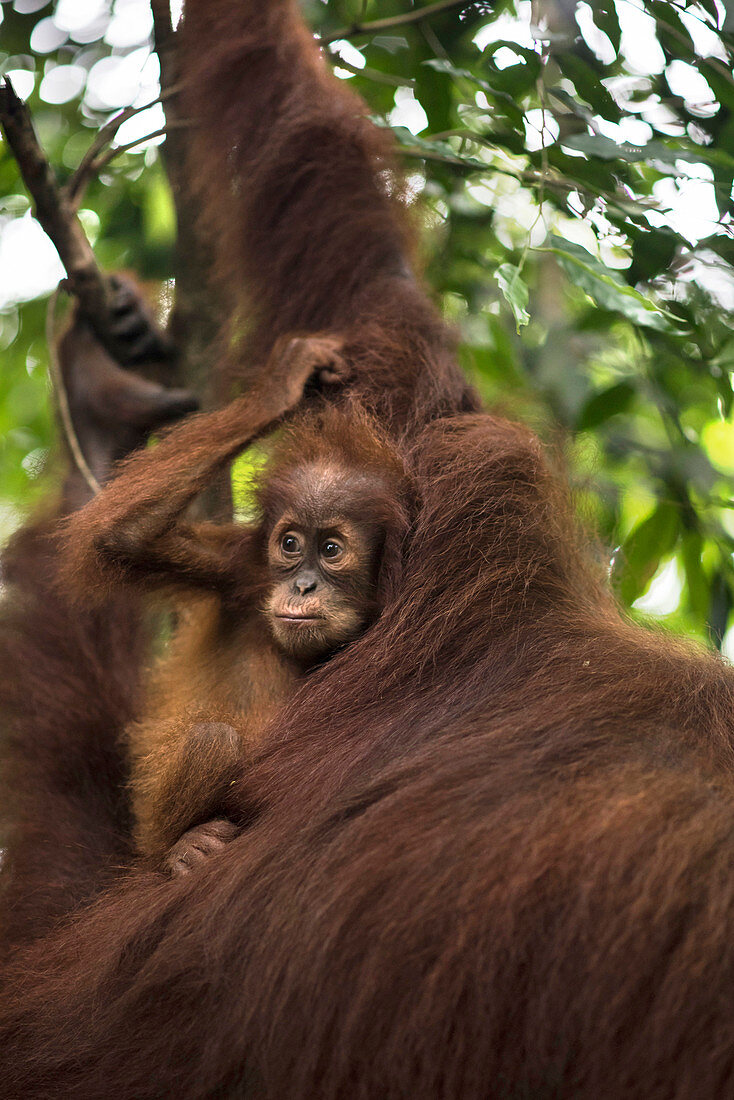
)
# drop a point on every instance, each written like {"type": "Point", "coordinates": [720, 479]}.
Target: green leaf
{"type": "Point", "coordinates": [246, 469]}
{"type": "Point", "coordinates": [436, 97]}
{"type": "Point", "coordinates": [698, 585]}
{"type": "Point", "coordinates": [516, 79]}
{"type": "Point", "coordinates": [650, 541]}
{"type": "Point", "coordinates": [391, 42]}
{"type": "Point", "coordinates": [159, 216]}
{"type": "Point", "coordinates": [710, 7]}
{"type": "Point", "coordinates": [588, 85]}
{"type": "Point", "coordinates": [437, 150]}
{"type": "Point", "coordinates": [719, 84]}
{"type": "Point", "coordinates": [652, 253]}
{"type": "Point", "coordinates": [515, 292]}
{"type": "Point", "coordinates": [608, 289]}
{"type": "Point", "coordinates": [441, 65]}
{"type": "Point", "coordinates": [606, 19]}
{"type": "Point", "coordinates": [722, 602]}
{"type": "Point", "coordinates": [607, 148]}
{"type": "Point", "coordinates": [717, 438]}
{"type": "Point", "coordinates": [671, 29]}
{"type": "Point", "coordinates": [604, 405]}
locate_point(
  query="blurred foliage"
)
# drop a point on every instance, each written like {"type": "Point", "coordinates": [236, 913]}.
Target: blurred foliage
{"type": "Point", "coordinates": [574, 164]}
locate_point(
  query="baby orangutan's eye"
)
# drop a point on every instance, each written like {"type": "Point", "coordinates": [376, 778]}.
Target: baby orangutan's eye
{"type": "Point", "coordinates": [289, 544]}
{"type": "Point", "coordinates": [331, 550]}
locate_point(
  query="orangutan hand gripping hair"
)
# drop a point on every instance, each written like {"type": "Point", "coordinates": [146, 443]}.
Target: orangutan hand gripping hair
{"type": "Point", "coordinates": [273, 599]}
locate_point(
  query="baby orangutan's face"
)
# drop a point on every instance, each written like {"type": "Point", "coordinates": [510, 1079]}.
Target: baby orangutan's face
{"type": "Point", "coordinates": [324, 567]}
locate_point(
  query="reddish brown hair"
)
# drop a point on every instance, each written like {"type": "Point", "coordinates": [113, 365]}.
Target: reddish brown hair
{"type": "Point", "coordinates": [491, 843]}
{"type": "Point", "coordinates": [308, 213]}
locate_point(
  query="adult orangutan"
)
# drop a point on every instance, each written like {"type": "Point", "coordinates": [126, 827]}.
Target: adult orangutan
{"type": "Point", "coordinates": [494, 844]}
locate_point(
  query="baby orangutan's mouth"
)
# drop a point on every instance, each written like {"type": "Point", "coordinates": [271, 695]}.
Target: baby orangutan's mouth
{"type": "Point", "coordinates": [294, 618]}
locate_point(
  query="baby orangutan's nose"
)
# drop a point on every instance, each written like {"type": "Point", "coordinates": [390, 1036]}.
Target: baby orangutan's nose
{"type": "Point", "coordinates": [305, 582]}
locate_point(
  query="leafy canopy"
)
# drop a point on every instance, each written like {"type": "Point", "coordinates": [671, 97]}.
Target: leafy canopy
{"type": "Point", "coordinates": [575, 164]}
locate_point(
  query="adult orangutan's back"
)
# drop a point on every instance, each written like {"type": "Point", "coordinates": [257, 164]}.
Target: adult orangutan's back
{"type": "Point", "coordinates": [494, 844]}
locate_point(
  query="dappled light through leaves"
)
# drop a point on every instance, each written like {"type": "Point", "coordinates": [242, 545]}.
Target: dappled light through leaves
{"type": "Point", "coordinates": [574, 172]}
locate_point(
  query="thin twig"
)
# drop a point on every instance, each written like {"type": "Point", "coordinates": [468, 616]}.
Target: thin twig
{"type": "Point", "coordinates": [371, 74]}
{"type": "Point", "coordinates": [541, 89]}
{"type": "Point", "coordinates": [62, 397]}
{"type": "Point", "coordinates": [435, 43]}
{"type": "Point", "coordinates": [417, 153]}
{"type": "Point", "coordinates": [83, 172]}
{"type": "Point", "coordinates": [101, 162]}
{"type": "Point", "coordinates": [378, 25]}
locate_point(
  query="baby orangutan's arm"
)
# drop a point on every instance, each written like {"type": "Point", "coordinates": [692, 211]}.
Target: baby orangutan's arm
{"type": "Point", "coordinates": [132, 530]}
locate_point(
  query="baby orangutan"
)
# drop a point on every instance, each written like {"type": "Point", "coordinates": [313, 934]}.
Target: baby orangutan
{"type": "Point", "coordinates": [263, 603]}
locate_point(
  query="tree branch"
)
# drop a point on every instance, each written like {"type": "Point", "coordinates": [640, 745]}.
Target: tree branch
{"type": "Point", "coordinates": [56, 214]}
{"type": "Point", "coordinates": [391, 22]}
{"type": "Point", "coordinates": [164, 43]}
{"type": "Point", "coordinates": [195, 320]}
{"type": "Point", "coordinates": [162, 26]}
